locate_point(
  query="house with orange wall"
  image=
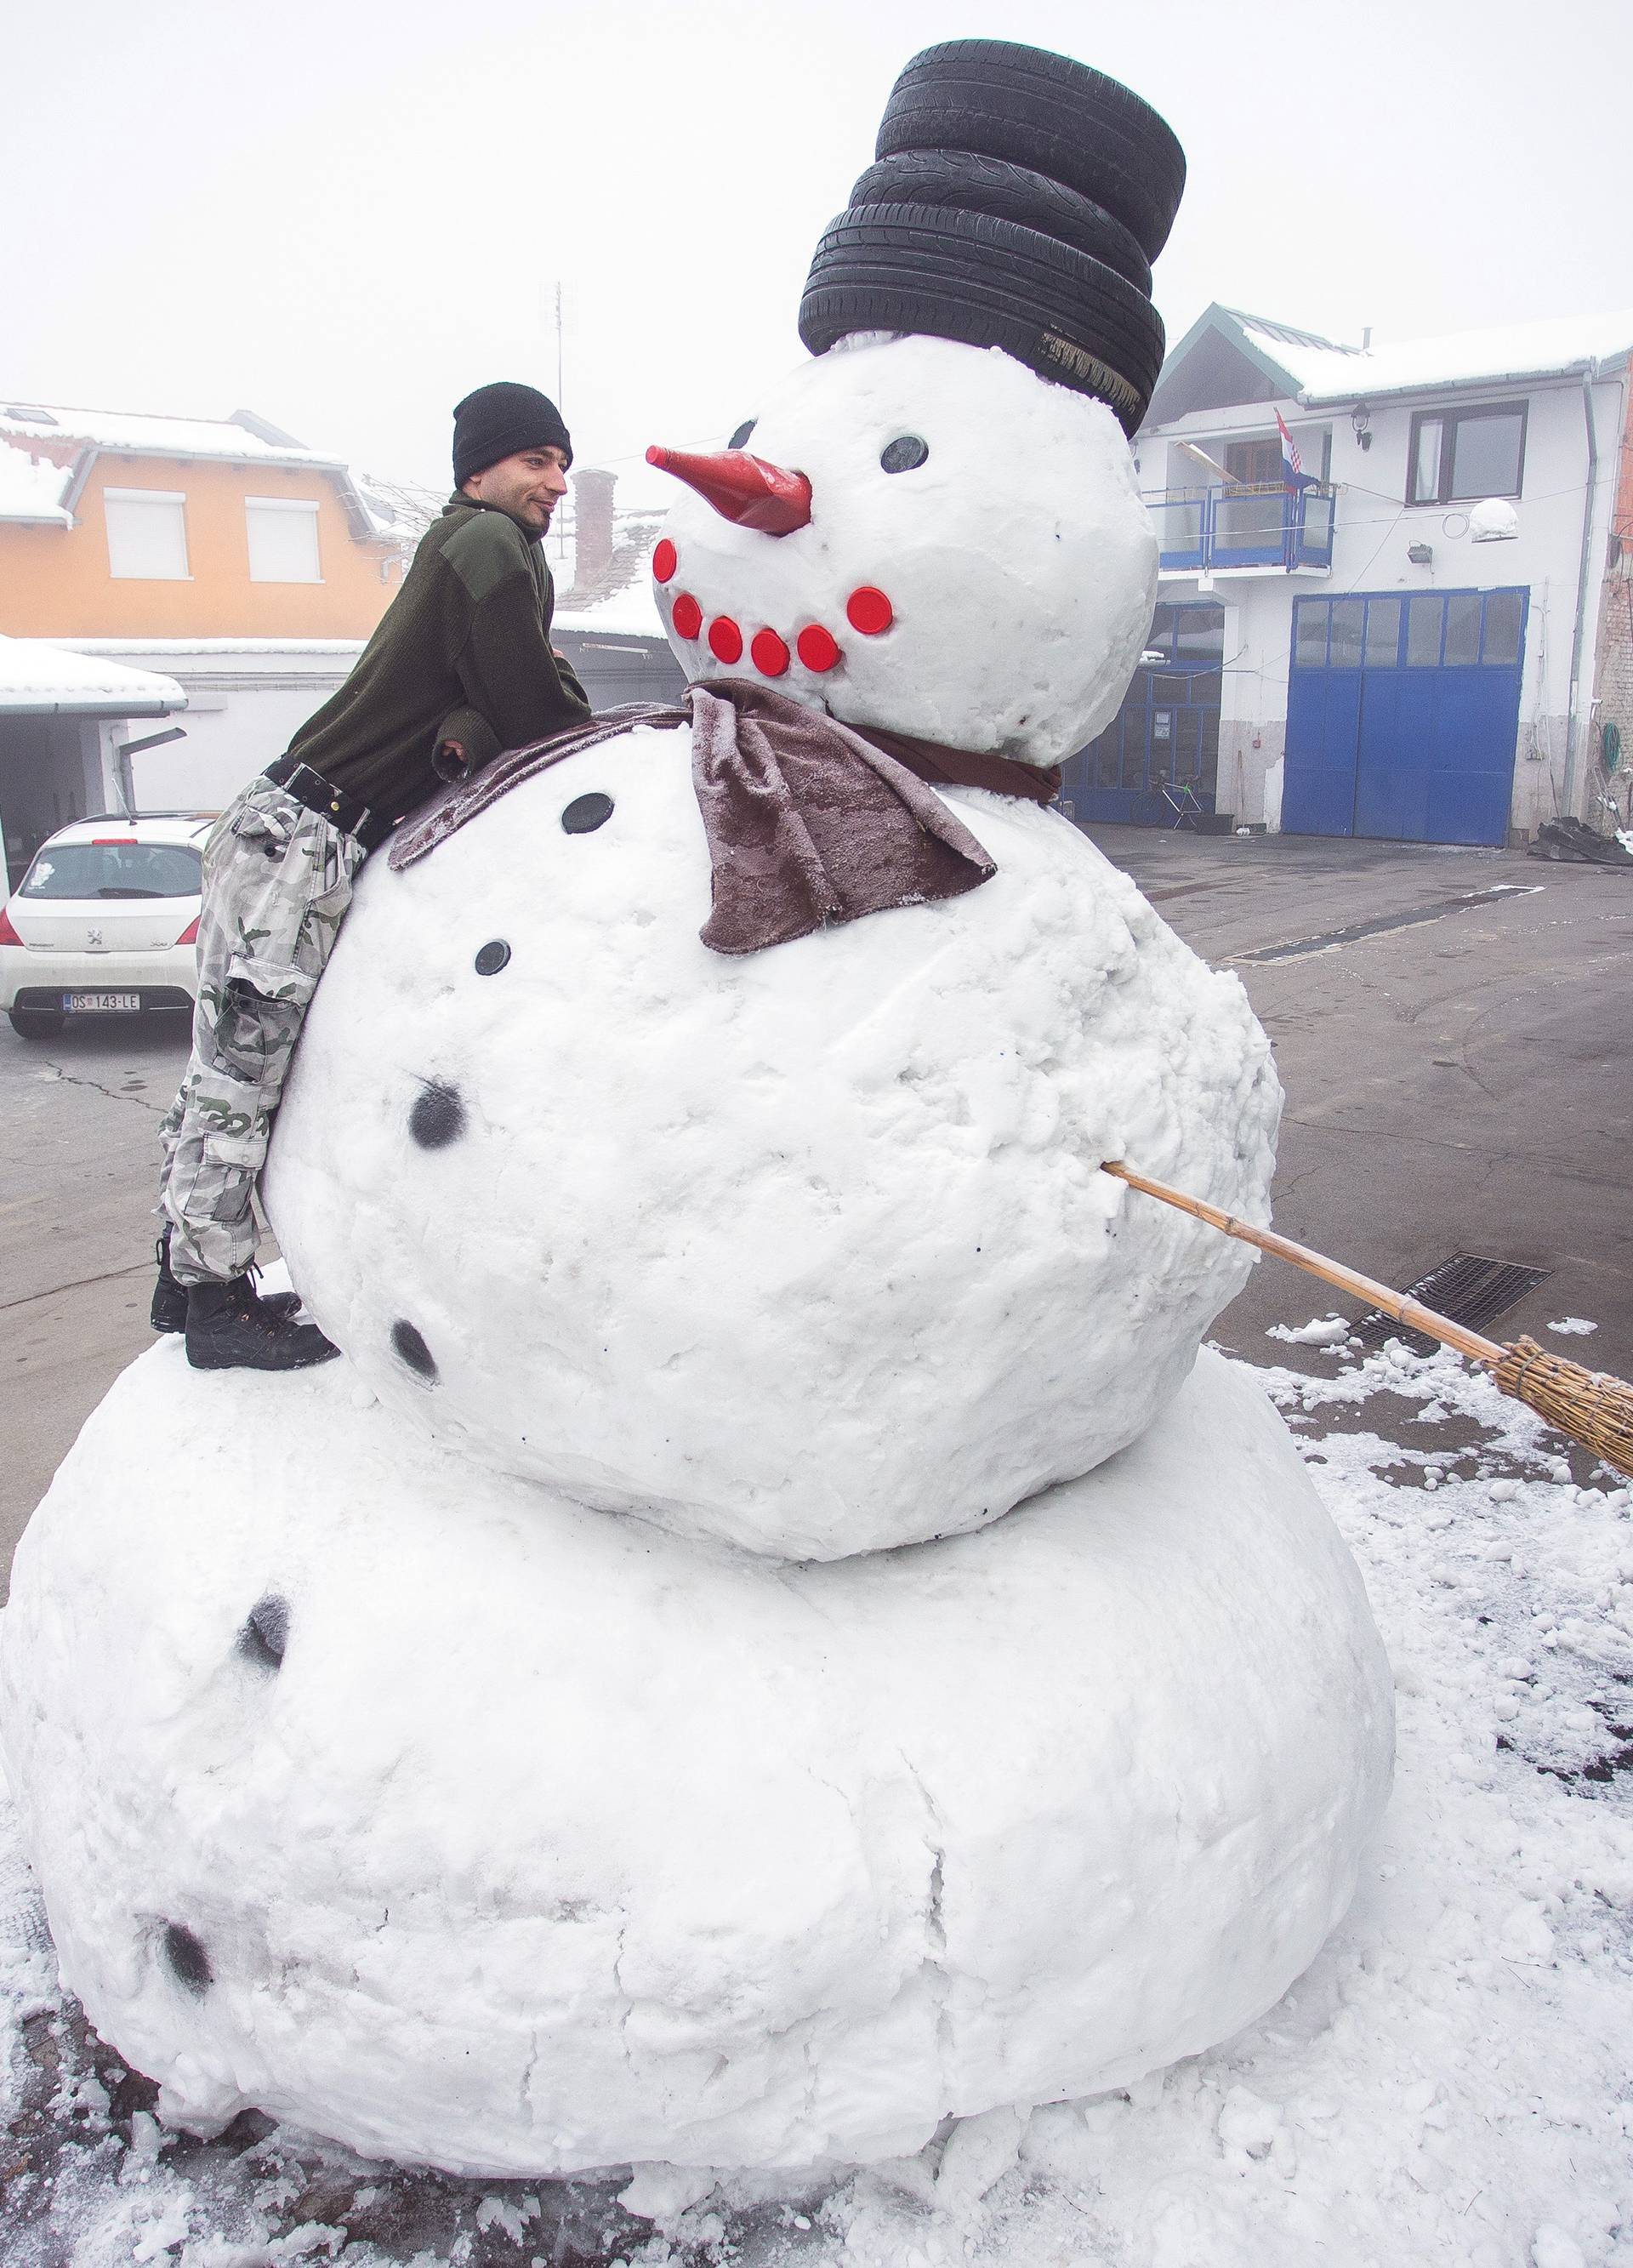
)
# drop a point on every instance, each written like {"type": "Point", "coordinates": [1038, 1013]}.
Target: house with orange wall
{"type": "Point", "coordinates": [241, 573]}
{"type": "Point", "coordinates": [179, 527]}
{"type": "Point", "coordinates": [221, 553]}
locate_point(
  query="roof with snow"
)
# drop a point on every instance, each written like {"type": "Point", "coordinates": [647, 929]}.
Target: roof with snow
{"type": "Point", "coordinates": [39, 679]}
{"type": "Point", "coordinates": [619, 600]}
{"type": "Point", "coordinates": [243, 438]}
{"type": "Point", "coordinates": [1229, 357]}
{"type": "Point", "coordinates": [32, 491]}
{"type": "Point", "coordinates": [34, 427]}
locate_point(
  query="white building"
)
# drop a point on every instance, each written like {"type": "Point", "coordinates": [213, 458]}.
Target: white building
{"type": "Point", "coordinates": [1406, 650]}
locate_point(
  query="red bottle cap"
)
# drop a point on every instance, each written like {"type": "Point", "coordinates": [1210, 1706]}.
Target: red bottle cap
{"type": "Point", "coordinates": [816, 648]}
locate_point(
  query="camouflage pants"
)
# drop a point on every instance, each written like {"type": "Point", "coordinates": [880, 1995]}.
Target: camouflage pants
{"type": "Point", "coordinates": [277, 882]}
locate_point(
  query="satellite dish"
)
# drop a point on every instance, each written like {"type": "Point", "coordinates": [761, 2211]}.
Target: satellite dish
{"type": "Point", "coordinates": [1493, 521]}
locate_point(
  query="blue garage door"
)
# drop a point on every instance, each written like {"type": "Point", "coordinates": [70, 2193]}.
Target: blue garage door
{"type": "Point", "coordinates": [1402, 712]}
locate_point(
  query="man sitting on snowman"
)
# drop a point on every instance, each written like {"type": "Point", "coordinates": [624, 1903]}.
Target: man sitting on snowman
{"type": "Point", "coordinates": [460, 667]}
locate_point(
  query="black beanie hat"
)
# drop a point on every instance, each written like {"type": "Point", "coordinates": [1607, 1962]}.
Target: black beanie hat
{"type": "Point", "coordinates": [1017, 201]}
{"type": "Point", "coordinates": [500, 421]}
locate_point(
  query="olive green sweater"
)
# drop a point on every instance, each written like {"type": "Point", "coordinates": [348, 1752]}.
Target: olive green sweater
{"type": "Point", "coordinates": [470, 629]}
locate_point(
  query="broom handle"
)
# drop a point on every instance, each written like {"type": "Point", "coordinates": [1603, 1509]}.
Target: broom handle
{"type": "Point", "coordinates": [1405, 1310]}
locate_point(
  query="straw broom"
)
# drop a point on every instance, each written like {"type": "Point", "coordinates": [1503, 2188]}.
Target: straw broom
{"type": "Point", "coordinates": [1586, 1405]}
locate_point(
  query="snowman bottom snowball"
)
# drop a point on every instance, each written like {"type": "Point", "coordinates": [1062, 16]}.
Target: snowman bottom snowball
{"type": "Point", "coordinates": [422, 1807]}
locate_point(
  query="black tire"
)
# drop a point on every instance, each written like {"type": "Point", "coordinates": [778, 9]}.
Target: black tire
{"type": "Point", "coordinates": [1049, 114]}
{"type": "Point", "coordinates": [36, 1023]}
{"type": "Point", "coordinates": [1006, 191]}
{"type": "Point", "coordinates": [964, 276]}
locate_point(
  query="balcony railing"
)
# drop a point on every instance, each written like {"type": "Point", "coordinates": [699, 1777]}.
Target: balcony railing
{"type": "Point", "coordinates": [1259, 524]}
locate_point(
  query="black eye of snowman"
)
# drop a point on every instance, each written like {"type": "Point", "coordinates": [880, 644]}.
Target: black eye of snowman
{"type": "Point", "coordinates": [904, 454]}
{"type": "Point", "coordinates": [491, 957]}
{"type": "Point", "coordinates": [586, 813]}
{"type": "Point", "coordinates": [740, 439]}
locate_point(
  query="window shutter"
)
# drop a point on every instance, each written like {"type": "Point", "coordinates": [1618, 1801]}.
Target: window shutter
{"type": "Point", "coordinates": [282, 540]}
{"type": "Point", "coordinates": [147, 535]}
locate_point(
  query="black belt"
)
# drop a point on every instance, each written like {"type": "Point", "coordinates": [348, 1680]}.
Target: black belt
{"type": "Point", "coordinates": [342, 810]}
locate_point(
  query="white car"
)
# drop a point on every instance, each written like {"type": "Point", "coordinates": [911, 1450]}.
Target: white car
{"type": "Point", "coordinates": [105, 922]}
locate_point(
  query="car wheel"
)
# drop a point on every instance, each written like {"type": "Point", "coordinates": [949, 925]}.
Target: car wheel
{"type": "Point", "coordinates": [1046, 112]}
{"type": "Point", "coordinates": [36, 1023]}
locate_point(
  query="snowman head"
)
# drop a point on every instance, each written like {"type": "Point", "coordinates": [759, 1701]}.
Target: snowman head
{"type": "Point", "coordinates": [921, 534]}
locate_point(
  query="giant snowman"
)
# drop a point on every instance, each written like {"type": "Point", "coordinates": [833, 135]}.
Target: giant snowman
{"type": "Point", "coordinates": [773, 1635]}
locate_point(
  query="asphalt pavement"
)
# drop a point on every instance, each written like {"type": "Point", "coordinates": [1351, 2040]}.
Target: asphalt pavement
{"type": "Point", "coordinates": [1451, 1027]}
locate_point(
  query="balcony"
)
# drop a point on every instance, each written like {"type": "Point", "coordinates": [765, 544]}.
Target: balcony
{"type": "Point", "coordinates": [1259, 524]}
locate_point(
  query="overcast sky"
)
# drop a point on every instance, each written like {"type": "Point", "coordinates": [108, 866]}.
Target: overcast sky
{"type": "Point", "coordinates": [343, 214]}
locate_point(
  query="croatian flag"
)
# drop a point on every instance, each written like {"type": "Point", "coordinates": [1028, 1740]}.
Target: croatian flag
{"type": "Point", "coordinates": [1293, 474]}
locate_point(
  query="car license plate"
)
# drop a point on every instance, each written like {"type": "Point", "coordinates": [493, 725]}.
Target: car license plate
{"type": "Point", "coordinates": [101, 1003]}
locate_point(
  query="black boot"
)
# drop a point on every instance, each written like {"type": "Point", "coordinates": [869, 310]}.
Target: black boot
{"type": "Point", "coordinates": [169, 1311]}
{"type": "Point", "coordinates": [225, 1331]}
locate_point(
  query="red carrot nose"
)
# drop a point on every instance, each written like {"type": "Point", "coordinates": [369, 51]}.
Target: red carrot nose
{"type": "Point", "coordinates": [742, 488]}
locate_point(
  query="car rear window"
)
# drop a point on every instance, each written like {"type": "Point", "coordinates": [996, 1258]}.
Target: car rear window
{"type": "Point", "coordinates": [115, 870]}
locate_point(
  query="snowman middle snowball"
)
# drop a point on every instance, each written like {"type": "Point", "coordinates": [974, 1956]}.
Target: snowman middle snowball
{"type": "Point", "coordinates": [807, 1250]}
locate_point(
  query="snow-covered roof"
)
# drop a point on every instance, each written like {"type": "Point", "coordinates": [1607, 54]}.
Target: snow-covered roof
{"type": "Point", "coordinates": [1298, 365]}
{"type": "Point", "coordinates": [32, 491]}
{"type": "Point", "coordinates": [243, 438]}
{"type": "Point", "coordinates": [631, 612]}
{"type": "Point", "coordinates": [212, 646]}
{"type": "Point", "coordinates": [37, 679]}
{"type": "Point", "coordinates": [620, 602]}
{"type": "Point", "coordinates": [1327, 372]}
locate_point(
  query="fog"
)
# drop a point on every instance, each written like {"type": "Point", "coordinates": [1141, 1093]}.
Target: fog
{"type": "Point", "coordinates": [344, 215]}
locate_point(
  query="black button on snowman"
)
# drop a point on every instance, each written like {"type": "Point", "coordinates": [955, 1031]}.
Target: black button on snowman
{"type": "Point", "coordinates": [773, 1635]}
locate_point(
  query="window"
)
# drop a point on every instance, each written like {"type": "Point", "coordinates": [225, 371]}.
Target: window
{"type": "Point", "coordinates": [1465, 455]}
{"type": "Point", "coordinates": [1463, 611]}
{"type": "Point", "coordinates": [1255, 462]}
{"type": "Point", "coordinates": [1349, 615]}
{"type": "Point", "coordinates": [1383, 633]}
{"type": "Point", "coordinates": [1505, 612]}
{"type": "Point", "coordinates": [147, 535]}
{"type": "Point", "coordinates": [1425, 617]}
{"type": "Point", "coordinates": [1310, 633]}
{"type": "Point", "coordinates": [282, 540]}
{"type": "Point", "coordinates": [115, 870]}
{"type": "Point", "coordinates": [1452, 629]}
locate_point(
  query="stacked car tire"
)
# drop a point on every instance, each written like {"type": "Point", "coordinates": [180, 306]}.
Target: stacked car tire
{"type": "Point", "coordinates": [1017, 200]}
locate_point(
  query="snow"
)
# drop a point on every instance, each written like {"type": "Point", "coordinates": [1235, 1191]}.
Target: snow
{"type": "Point", "coordinates": [382, 511]}
{"type": "Point", "coordinates": [1333, 373]}
{"type": "Point", "coordinates": [142, 435]}
{"type": "Point", "coordinates": [554, 1844]}
{"type": "Point", "coordinates": [1493, 521]}
{"type": "Point", "coordinates": [807, 1249]}
{"type": "Point", "coordinates": [1431, 2092]}
{"type": "Point", "coordinates": [31, 491]}
{"type": "Point", "coordinates": [1021, 565]}
{"type": "Point", "coordinates": [351, 647]}
{"type": "Point", "coordinates": [1573, 1326]}
{"type": "Point", "coordinates": [36, 676]}
{"type": "Point", "coordinates": [1329, 1330]}
{"type": "Point", "coordinates": [631, 612]}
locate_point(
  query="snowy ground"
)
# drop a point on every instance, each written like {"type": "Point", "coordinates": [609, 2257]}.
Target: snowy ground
{"type": "Point", "coordinates": [1451, 2082]}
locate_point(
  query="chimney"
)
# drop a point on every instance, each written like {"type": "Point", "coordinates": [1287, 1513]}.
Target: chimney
{"type": "Point", "coordinates": [592, 526]}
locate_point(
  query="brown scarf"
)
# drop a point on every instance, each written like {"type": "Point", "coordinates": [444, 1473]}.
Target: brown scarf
{"type": "Point", "coordinates": [808, 822]}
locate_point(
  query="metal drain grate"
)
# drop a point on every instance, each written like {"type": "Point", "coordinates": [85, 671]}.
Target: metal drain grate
{"type": "Point", "coordinates": [1470, 1290]}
